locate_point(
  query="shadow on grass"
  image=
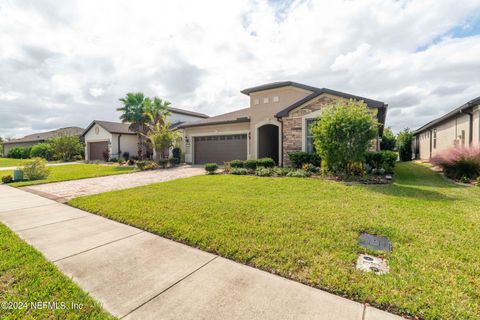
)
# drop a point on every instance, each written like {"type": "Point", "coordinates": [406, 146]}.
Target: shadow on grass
{"type": "Point", "coordinates": [406, 191]}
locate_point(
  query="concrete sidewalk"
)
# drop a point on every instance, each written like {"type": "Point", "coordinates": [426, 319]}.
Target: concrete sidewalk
{"type": "Point", "coordinates": [138, 275]}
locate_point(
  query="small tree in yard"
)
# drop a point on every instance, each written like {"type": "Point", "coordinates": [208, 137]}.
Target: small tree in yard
{"type": "Point", "coordinates": [161, 137]}
{"type": "Point", "coordinates": [404, 145]}
{"type": "Point", "coordinates": [343, 134]}
{"type": "Point", "coordinates": [65, 148]}
{"type": "Point", "coordinates": [389, 140]}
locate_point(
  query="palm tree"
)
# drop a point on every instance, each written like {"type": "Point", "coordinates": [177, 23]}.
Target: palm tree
{"type": "Point", "coordinates": [156, 110]}
{"type": "Point", "coordinates": [133, 112]}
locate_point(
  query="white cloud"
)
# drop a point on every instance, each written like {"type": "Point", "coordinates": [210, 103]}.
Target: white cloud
{"type": "Point", "coordinates": [69, 62]}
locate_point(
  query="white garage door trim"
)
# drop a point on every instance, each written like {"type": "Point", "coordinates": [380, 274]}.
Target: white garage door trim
{"type": "Point", "coordinates": [191, 137]}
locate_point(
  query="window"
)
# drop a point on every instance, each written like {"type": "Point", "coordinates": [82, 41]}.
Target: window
{"type": "Point", "coordinates": [462, 137]}
{"type": "Point", "coordinates": [276, 99]}
{"type": "Point", "coordinates": [265, 100]}
{"type": "Point", "coordinates": [309, 147]}
{"type": "Point", "coordinates": [256, 101]}
{"type": "Point", "coordinates": [434, 138]}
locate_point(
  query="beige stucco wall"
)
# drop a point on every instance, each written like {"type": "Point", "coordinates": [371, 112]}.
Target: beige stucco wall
{"type": "Point", "coordinates": [128, 142]}
{"type": "Point", "coordinates": [190, 133]}
{"type": "Point", "coordinates": [449, 135]}
{"type": "Point", "coordinates": [264, 113]}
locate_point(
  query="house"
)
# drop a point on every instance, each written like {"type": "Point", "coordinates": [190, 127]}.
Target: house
{"type": "Point", "coordinates": [115, 138]}
{"type": "Point", "coordinates": [277, 121]}
{"type": "Point", "coordinates": [36, 138]}
{"type": "Point", "coordinates": [458, 128]}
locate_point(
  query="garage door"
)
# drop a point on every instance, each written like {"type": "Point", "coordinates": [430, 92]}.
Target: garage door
{"type": "Point", "coordinates": [220, 148]}
{"type": "Point", "coordinates": [96, 150]}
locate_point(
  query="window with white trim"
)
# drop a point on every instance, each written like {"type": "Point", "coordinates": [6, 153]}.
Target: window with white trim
{"type": "Point", "coordinates": [309, 147]}
{"type": "Point", "coordinates": [256, 101]}
{"type": "Point", "coordinates": [276, 99]}
{"type": "Point", "coordinates": [265, 100]}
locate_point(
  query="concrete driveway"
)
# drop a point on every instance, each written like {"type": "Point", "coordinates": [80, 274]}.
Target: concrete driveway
{"type": "Point", "coordinates": [138, 275]}
{"type": "Point", "coordinates": [66, 190]}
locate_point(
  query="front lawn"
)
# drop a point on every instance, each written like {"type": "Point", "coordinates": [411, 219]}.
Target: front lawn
{"type": "Point", "coordinates": [27, 277]}
{"type": "Point", "coordinates": [73, 172]}
{"type": "Point", "coordinates": [307, 230]}
{"type": "Point", "coordinates": [9, 162]}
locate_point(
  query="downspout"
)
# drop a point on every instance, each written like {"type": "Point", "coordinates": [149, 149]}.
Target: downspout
{"type": "Point", "coordinates": [119, 151]}
{"type": "Point", "coordinates": [281, 145]}
{"type": "Point", "coordinates": [470, 126]}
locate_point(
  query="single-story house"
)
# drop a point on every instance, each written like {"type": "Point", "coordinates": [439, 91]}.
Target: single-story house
{"type": "Point", "coordinates": [277, 121]}
{"type": "Point", "coordinates": [458, 128]}
{"type": "Point", "coordinates": [36, 138]}
{"type": "Point", "coordinates": [116, 138]}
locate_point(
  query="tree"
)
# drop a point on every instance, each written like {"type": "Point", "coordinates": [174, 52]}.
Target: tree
{"type": "Point", "coordinates": [160, 136]}
{"type": "Point", "coordinates": [404, 145]}
{"type": "Point", "coordinates": [343, 134]}
{"type": "Point", "coordinates": [66, 148]}
{"type": "Point", "coordinates": [133, 112]}
{"type": "Point", "coordinates": [1, 146]}
{"type": "Point", "coordinates": [389, 140]}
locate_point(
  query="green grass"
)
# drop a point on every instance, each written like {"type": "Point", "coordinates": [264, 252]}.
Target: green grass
{"type": "Point", "coordinates": [26, 276]}
{"type": "Point", "coordinates": [8, 162]}
{"type": "Point", "coordinates": [307, 230]}
{"type": "Point", "coordinates": [73, 172]}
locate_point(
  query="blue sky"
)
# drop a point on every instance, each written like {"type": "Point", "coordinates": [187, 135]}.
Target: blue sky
{"type": "Point", "coordinates": [67, 63]}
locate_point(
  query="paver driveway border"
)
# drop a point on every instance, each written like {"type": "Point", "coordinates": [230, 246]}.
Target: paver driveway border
{"type": "Point", "coordinates": [139, 275]}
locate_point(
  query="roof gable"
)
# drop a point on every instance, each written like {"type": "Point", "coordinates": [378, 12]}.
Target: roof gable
{"type": "Point", "coordinates": [112, 127]}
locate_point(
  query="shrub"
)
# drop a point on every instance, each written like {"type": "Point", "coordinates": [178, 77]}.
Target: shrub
{"type": "Point", "coordinates": [176, 155]}
{"type": "Point", "coordinates": [264, 172]}
{"type": "Point", "coordinates": [211, 168]}
{"type": "Point", "coordinates": [404, 145]}
{"type": "Point", "coordinates": [163, 163]}
{"type": "Point", "coordinates": [239, 171]}
{"type": "Point", "coordinates": [310, 168]}
{"type": "Point", "coordinates": [65, 148]}
{"type": "Point", "coordinates": [114, 159]}
{"type": "Point", "coordinates": [7, 179]}
{"type": "Point", "coordinates": [236, 163]}
{"type": "Point", "coordinates": [389, 140]}
{"type": "Point", "coordinates": [78, 157]}
{"type": "Point", "coordinates": [343, 134]}
{"type": "Point", "coordinates": [131, 162]}
{"type": "Point", "coordinates": [42, 150]}
{"type": "Point", "coordinates": [36, 169]}
{"type": "Point", "coordinates": [459, 162]}
{"type": "Point", "coordinates": [299, 173]}
{"type": "Point", "coordinates": [478, 181]}
{"type": "Point", "coordinates": [357, 169]}
{"type": "Point", "coordinates": [126, 155]}
{"type": "Point", "coordinates": [381, 160]}
{"type": "Point", "coordinates": [265, 162]}
{"type": "Point", "coordinates": [105, 155]}
{"type": "Point", "coordinates": [280, 172]}
{"type": "Point", "coordinates": [121, 162]}
{"type": "Point", "coordinates": [227, 167]}
{"type": "Point", "coordinates": [250, 164]}
{"type": "Point", "coordinates": [299, 158]}
{"type": "Point", "coordinates": [19, 153]}
{"type": "Point", "coordinates": [146, 165]}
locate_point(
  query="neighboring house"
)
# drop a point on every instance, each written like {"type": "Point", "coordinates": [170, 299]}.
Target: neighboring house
{"type": "Point", "coordinates": [116, 137]}
{"type": "Point", "coordinates": [278, 121]}
{"type": "Point", "coordinates": [458, 128]}
{"type": "Point", "coordinates": [36, 138]}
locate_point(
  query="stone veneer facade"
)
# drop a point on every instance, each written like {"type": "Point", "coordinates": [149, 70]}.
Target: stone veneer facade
{"type": "Point", "coordinates": [292, 139]}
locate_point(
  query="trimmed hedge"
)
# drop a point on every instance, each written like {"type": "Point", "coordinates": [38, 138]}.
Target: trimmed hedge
{"type": "Point", "coordinates": [42, 150]}
{"type": "Point", "coordinates": [266, 162]}
{"type": "Point", "coordinates": [19, 153]}
{"type": "Point", "coordinates": [299, 158]}
{"type": "Point", "coordinates": [236, 163]}
{"type": "Point", "coordinates": [250, 164]}
{"type": "Point", "coordinates": [211, 168]}
{"type": "Point", "coordinates": [382, 160]}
